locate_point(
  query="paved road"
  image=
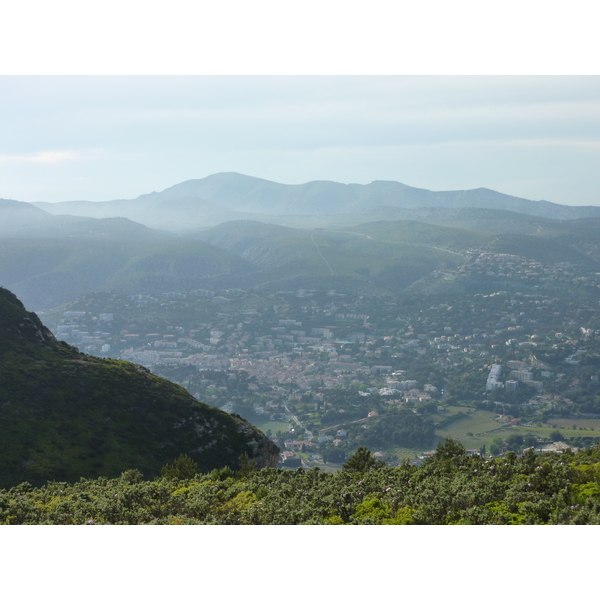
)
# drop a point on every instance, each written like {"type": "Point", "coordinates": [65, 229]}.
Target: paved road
{"type": "Point", "coordinates": [297, 421]}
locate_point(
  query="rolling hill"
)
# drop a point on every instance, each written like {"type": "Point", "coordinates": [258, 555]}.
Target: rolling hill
{"type": "Point", "coordinates": [340, 259]}
{"type": "Point", "coordinates": [107, 254]}
{"type": "Point", "coordinates": [118, 255]}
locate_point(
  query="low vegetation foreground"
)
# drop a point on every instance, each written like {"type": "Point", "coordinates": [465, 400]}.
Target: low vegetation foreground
{"type": "Point", "coordinates": [448, 488]}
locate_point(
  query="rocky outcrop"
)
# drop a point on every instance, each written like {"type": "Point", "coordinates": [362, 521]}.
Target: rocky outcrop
{"type": "Point", "coordinates": [260, 447]}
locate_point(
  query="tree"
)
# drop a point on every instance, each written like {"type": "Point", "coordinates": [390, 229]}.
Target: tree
{"type": "Point", "coordinates": [398, 428]}
{"type": "Point", "coordinates": [515, 442]}
{"type": "Point", "coordinates": [496, 446]}
{"type": "Point", "coordinates": [449, 449]}
{"type": "Point", "coordinates": [247, 466]}
{"type": "Point", "coordinates": [333, 455]}
{"type": "Point", "coordinates": [182, 468]}
{"type": "Point", "coordinates": [361, 461]}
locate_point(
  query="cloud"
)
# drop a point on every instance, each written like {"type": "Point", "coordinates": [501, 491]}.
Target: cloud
{"type": "Point", "coordinates": [47, 157]}
{"type": "Point", "coordinates": [535, 143]}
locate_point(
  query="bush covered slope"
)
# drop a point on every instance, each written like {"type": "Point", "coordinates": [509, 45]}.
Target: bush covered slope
{"type": "Point", "coordinates": [66, 415]}
{"type": "Point", "coordinates": [449, 488]}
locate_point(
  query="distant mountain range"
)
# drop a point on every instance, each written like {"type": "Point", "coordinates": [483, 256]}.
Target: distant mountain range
{"type": "Point", "coordinates": [230, 196]}
{"type": "Point", "coordinates": [209, 233]}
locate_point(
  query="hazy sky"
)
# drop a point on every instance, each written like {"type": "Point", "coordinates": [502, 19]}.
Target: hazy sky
{"type": "Point", "coordinates": [101, 138]}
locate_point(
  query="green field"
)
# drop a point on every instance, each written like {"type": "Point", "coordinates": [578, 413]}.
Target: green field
{"type": "Point", "coordinates": [449, 410]}
{"type": "Point", "coordinates": [586, 424]}
{"type": "Point", "coordinates": [545, 431]}
{"type": "Point", "coordinates": [477, 422]}
{"type": "Point", "coordinates": [264, 424]}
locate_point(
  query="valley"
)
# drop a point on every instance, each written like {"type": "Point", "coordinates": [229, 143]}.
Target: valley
{"type": "Point", "coordinates": [375, 322]}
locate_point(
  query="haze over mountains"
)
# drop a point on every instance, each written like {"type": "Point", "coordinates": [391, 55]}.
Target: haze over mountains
{"type": "Point", "coordinates": [231, 196]}
{"type": "Point", "coordinates": [233, 231]}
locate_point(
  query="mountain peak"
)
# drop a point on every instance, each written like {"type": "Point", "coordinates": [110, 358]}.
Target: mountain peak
{"type": "Point", "coordinates": [18, 326]}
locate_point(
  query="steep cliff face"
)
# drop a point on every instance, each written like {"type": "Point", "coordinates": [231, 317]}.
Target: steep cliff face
{"type": "Point", "coordinates": [66, 415]}
{"type": "Point", "coordinates": [261, 448]}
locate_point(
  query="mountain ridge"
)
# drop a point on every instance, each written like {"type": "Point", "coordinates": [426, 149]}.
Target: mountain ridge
{"type": "Point", "coordinates": [233, 196]}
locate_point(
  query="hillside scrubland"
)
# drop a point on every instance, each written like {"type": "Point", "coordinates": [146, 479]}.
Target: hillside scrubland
{"type": "Point", "coordinates": [449, 488]}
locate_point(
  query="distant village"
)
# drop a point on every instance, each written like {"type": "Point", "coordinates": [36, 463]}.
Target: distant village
{"type": "Point", "coordinates": [522, 352]}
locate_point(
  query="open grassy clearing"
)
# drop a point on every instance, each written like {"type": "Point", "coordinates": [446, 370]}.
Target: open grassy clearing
{"type": "Point", "coordinates": [478, 421]}
{"type": "Point", "coordinates": [265, 424]}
